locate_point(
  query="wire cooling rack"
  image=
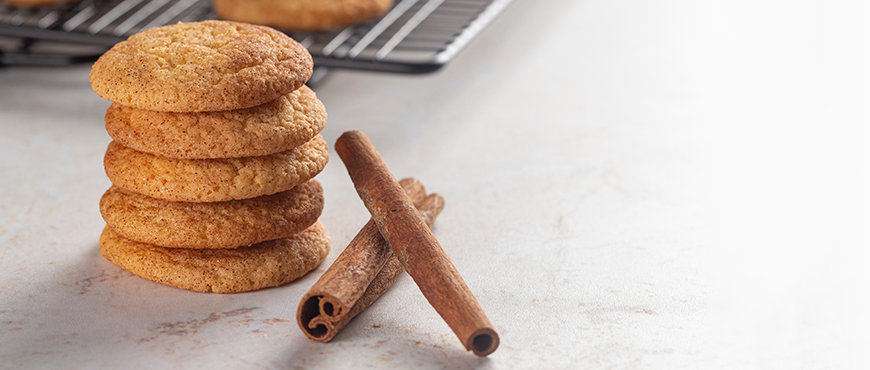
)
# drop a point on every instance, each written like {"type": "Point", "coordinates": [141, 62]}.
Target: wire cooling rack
{"type": "Point", "coordinates": [415, 36]}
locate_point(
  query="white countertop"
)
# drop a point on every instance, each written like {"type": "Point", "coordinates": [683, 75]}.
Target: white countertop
{"type": "Point", "coordinates": [629, 184]}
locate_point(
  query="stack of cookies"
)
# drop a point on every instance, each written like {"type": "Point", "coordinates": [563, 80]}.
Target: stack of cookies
{"type": "Point", "coordinates": [216, 143]}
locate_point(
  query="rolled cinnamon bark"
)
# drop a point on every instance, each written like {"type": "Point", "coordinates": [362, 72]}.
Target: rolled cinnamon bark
{"type": "Point", "coordinates": [414, 244]}
{"type": "Point", "coordinates": [359, 276]}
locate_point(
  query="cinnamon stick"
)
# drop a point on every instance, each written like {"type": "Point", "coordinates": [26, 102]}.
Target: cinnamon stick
{"type": "Point", "coordinates": [359, 276]}
{"type": "Point", "coordinates": [414, 244]}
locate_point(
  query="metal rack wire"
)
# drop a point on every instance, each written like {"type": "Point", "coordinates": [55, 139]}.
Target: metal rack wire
{"type": "Point", "coordinates": [415, 36]}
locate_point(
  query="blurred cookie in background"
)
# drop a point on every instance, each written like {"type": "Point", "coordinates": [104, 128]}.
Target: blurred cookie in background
{"type": "Point", "coordinates": [302, 15]}
{"type": "Point", "coordinates": [36, 2]}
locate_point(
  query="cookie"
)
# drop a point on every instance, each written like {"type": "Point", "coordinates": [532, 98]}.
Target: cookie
{"type": "Point", "coordinates": [303, 15]}
{"type": "Point", "coordinates": [212, 225]}
{"type": "Point", "coordinates": [277, 126]}
{"type": "Point", "coordinates": [213, 180]}
{"type": "Point", "coordinates": [202, 66]}
{"type": "Point", "coordinates": [263, 265]}
{"type": "Point", "coordinates": [36, 2]}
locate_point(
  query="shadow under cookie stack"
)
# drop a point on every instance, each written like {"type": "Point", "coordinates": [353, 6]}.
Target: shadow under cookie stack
{"type": "Point", "coordinates": [216, 143]}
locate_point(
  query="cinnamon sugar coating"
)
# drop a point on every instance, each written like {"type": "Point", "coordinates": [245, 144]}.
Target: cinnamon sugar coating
{"type": "Point", "coordinates": [277, 126]}
{"type": "Point", "coordinates": [213, 180]}
{"type": "Point", "coordinates": [201, 66]}
{"type": "Point", "coordinates": [210, 225]}
{"type": "Point", "coordinates": [263, 265]}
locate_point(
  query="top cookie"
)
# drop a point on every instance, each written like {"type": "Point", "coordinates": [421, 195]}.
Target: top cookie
{"type": "Point", "coordinates": [303, 15]}
{"type": "Point", "coordinates": [203, 66]}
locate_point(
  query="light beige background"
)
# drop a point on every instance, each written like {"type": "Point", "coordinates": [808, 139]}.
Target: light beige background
{"type": "Point", "coordinates": [629, 184]}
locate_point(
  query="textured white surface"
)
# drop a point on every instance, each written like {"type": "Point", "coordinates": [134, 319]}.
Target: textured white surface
{"type": "Point", "coordinates": [629, 184]}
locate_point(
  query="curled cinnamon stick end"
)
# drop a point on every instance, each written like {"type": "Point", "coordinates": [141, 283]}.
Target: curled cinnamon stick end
{"type": "Point", "coordinates": [361, 274]}
{"type": "Point", "coordinates": [414, 244]}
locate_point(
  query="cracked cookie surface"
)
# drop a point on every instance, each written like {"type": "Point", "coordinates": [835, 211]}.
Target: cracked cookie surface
{"type": "Point", "coordinates": [212, 225]}
{"type": "Point", "coordinates": [263, 265]}
{"type": "Point", "coordinates": [276, 126]}
{"type": "Point", "coordinates": [213, 180]}
{"type": "Point", "coordinates": [201, 66]}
